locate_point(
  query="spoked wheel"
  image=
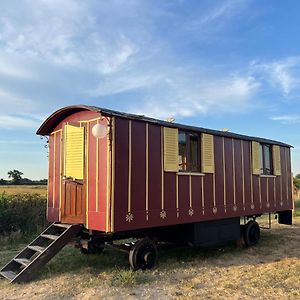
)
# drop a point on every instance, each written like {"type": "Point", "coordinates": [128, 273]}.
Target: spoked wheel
{"type": "Point", "coordinates": [251, 233]}
{"type": "Point", "coordinates": [143, 255]}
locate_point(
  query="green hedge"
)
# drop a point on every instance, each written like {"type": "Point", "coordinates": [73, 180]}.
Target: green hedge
{"type": "Point", "coordinates": [24, 213]}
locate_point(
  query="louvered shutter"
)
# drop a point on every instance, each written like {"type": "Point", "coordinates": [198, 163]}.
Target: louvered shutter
{"type": "Point", "coordinates": [207, 153]}
{"type": "Point", "coordinates": [74, 151]}
{"type": "Point", "coordinates": [276, 160]}
{"type": "Point", "coordinates": [171, 149]}
{"type": "Point", "coordinates": [255, 158]}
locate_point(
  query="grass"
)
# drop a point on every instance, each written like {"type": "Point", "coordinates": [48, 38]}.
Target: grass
{"type": "Point", "coordinates": [269, 270]}
{"type": "Point", "coordinates": [18, 189]}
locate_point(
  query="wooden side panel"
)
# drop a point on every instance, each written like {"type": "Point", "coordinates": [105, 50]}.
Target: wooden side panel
{"type": "Point", "coordinates": [91, 162]}
{"type": "Point", "coordinates": [138, 174]}
{"type": "Point", "coordinates": [155, 182]}
{"type": "Point", "coordinates": [247, 175]}
{"type": "Point", "coordinates": [219, 175]}
{"type": "Point", "coordinates": [50, 204]}
{"type": "Point", "coordinates": [57, 174]}
{"type": "Point", "coordinates": [284, 183]}
{"type": "Point", "coordinates": [121, 174]}
{"type": "Point", "coordinates": [229, 175]}
{"type": "Point", "coordinates": [183, 197]}
{"type": "Point", "coordinates": [178, 198]}
{"type": "Point", "coordinates": [238, 177]}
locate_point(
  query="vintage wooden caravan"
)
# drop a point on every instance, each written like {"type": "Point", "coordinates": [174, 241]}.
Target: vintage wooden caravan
{"type": "Point", "coordinates": [114, 175]}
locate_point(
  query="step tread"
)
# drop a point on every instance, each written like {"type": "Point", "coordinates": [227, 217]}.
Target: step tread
{"type": "Point", "coordinates": [22, 261]}
{"type": "Point", "coordinates": [63, 225]}
{"type": "Point", "coordinates": [36, 248]}
{"type": "Point", "coordinates": [50, 236]}
{"type": "Point", "coordinates": [8, 274]}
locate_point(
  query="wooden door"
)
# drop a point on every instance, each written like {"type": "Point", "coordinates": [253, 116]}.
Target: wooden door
{"type": "Point", "coordinates": [73, 208]}
{"type": "Point", "coordinates": [73, 203]}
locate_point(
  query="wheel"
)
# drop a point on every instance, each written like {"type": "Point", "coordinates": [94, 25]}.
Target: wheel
{"type": "Point", "coordinates": [143, 255]}
{"type": "Point", "coordinates": [92, 248]}
{"type": "Point", "coordinates": [251, 233]}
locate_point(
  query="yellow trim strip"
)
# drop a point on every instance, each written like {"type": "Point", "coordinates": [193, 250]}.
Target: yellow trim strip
{"type": "Point", "coordinates": [91, 120]}
{"type": "Point", "coordinates": [202, 194]}
{"type": "Point", "coordinates": [259, 189]}
{"type": "Point", "coordinates": [108, 178]}
{"type": "Point", "coordinates": [112, 207]}
{"type": "Point", "coordinates": [162, 169]}
{"type": "Point", "coordinates": [214, 190]}
{"type": "Point", "coordinates": [97, 172]}
{"type": "Point", "coordinates": [281, 196]}
{"type": "Point", "coordinates": [243, 175]}
{"type": "Point", "coordinates": [48, 180]}
{"type": "Point", "coordinates": [190, 174]}
{"type": "Point", "coordinates": [54, 168]}
{"type": "Point", "coordinates": [147, 171]}
{"type": "Point", "coordinates": [234, 183]}
{"type": "Point", "coordinates": [268, 204]}
{"type": "Point", "coordinates": [274, 191]}
{"type": "Point", "coordinates": [224, 173]}
{"type": "Point", "coordinates": [287, 175]}
{"type": "Point", "coordinates": [251, 178]}
{"type": "Point", "coordinates": [129, 167]}
{"type": "Point", "coordinates": [87, 174]}
{"type": "Point", "coordinates": [190, 190]}
{"type": "Point", "coordinates": [60, 174]}
{"type": "Point", "coordinates": [177, 201]}
{"type": "Point", "coordinates": [56, 131]}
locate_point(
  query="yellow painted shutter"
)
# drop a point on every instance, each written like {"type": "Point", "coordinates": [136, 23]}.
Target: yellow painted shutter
{"type": "Point", "coordinates": [74, 151]}
{"type": "Point", "coordinates": [276, 160]}
{"type": "Point", "coordinates": [255, 158]}
{"type": "Point", "coordinates": [207, 153]}
{"type": "Point", "coordinates": [171, 149]}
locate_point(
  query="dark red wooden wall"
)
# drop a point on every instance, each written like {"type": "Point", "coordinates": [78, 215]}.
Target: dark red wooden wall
{"type": "Point", "coordinates": [175, 198]}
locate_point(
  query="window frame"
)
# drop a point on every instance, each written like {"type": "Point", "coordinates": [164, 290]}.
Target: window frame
{"type": "Point", "coordinates": [187, 168]}
{"type": "Point", "coordinates": [263, 168]}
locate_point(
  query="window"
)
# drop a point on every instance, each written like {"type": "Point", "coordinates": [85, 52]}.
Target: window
{"type": "Point", "coordinates": [266, 161]}
{"type": "Point", "coordinates": [189, 151]}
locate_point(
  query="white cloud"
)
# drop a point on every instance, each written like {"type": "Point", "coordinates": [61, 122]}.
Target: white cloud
{"type": "Point", "coordinates": [19, 142]}
{"type": "Point", "coordinates": [186, 97]}
{"type": "Point", "coordinates": [282, 74]}
{"type": "Point", "coordinates": [17, 123]}
{"type": "Point", "coordinates": [287, 119]}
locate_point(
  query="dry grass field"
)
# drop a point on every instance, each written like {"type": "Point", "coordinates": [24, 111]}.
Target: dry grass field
{"type": "Point", "coordinates": [270, 270]}
{"type": "Point", "coordinates": [18, 189]}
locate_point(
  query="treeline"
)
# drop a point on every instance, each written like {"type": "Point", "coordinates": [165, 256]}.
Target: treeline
{"type": "Point", "coordinates": [24, 181]}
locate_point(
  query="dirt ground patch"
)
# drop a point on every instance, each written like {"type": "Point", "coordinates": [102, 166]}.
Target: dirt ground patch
{"type": "Point", "coordinates": [270, 270]}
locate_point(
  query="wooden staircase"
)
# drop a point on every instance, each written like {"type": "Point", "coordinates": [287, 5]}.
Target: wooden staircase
{"type": "Point", "coordinates": [30, 260]}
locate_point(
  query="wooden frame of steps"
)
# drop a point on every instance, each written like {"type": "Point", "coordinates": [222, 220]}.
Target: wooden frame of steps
{"type": "Point", "coordinates": [30, 260]}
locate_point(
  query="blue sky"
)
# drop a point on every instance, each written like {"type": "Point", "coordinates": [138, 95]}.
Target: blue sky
{"type": "Point", "coordinates": [216, 64]}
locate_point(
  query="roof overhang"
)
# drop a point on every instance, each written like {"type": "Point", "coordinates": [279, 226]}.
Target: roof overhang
{"type": "Point", "coordinates": [51, 122]}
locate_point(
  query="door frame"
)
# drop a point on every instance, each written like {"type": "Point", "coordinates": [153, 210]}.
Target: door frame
{"type": "Point", "coordinates": [63, 178]}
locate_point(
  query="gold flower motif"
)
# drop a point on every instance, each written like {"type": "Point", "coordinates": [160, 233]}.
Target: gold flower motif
{"type": "Point", "coordinates": [163, 214]}
{"type": "Point", "coordinates": [191, 211]}
{"type": "Point", "coordinates": [129, 217]}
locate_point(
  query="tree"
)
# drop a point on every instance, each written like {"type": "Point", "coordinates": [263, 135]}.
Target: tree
{"type": "Point", "coordinates": [15, 176]}
{"type": "Point", "coordinates": [296, 181]}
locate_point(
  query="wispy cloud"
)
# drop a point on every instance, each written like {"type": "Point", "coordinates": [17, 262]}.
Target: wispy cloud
{"type": "Point", "coordinates": [19, 142]}
{"type": "Point", "coordinates": [17, 123]}
{"type": "Point", "coordinates": [282, 74]}
{"type": "Point", "coordinates": [287, 119]}
{"type": "Point", "coordinates": [190, 96]}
